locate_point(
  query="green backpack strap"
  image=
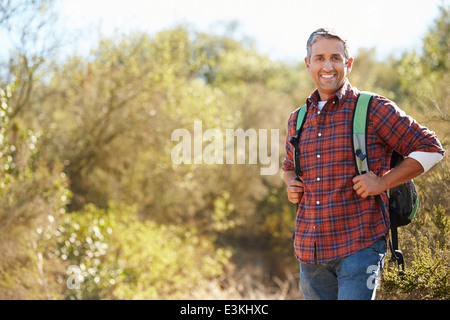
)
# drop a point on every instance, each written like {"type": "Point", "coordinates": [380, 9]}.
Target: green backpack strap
{"type": "Point", "coordinates": [360, 122]}
{"type": "Point", "coordinates": [301, 117]}
{"type": "Point", "coordinates": [359, 129]}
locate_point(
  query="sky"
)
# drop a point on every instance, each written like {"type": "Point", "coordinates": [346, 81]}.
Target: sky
{"type": "Point", "coordinates": [280, 28]}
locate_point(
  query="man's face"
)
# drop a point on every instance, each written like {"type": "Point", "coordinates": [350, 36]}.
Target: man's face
{"type": "Point", "coordinates": [327, 66]}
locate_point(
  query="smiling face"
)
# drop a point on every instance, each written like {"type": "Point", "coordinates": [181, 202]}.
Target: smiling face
{"type": "Point", "coordinates": [328, 66]}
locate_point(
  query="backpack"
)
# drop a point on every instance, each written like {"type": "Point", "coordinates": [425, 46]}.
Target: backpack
{"type": "Point", "coordinates": [403, 199]}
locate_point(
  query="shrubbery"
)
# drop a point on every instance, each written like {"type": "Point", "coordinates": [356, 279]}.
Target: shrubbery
{"type": "Point", "coordinates": [112, 254]}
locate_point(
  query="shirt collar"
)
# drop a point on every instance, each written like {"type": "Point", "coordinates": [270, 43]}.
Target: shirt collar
{"type": "Point", "coordinates": [339, 97]}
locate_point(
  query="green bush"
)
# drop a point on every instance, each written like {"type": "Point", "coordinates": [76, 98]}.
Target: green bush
{"type": "Point", "coordinates": [112, 254]}
{"type": "Point", "coordinates": [426, 278]}
{"type": "Point", "coordinates": [427, 260]}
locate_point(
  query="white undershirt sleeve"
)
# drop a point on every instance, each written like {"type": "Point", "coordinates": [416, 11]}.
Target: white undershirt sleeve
{"type": "Point", "coordinates": [426, 159]}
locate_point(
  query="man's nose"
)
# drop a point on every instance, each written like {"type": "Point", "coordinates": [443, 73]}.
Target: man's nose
{"type": "Point", "coordinates": [328, 66]}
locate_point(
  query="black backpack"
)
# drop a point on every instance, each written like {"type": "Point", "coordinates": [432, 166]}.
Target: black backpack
{"type": "Point", "coordinates": [403, 199]}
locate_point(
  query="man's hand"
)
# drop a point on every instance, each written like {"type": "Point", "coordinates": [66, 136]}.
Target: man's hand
{"type": "Point", "coordinates": [368, 184]}
{"type": "Point", "coordinates": [295, 187]}
{"type": "Point", "coordinates": [295, 190]}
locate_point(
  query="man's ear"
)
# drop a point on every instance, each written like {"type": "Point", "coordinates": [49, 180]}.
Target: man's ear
{"type": "Point", "coordinates": [307, 64]}
{"type": "Point", "coordinates": [349, 65]}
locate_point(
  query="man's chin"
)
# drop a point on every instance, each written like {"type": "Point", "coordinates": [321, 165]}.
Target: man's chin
{"type": "Point", "coordinates": [330, 87]}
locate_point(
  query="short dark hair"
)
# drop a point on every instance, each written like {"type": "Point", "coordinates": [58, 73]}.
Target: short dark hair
{"type": "Point", "coordinates": [327, 33]}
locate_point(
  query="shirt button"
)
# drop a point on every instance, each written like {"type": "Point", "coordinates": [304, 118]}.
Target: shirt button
{"type": "Point", "coordinates": [318, 179]}
{"type": "Point", "coordinates": [317, 202]}
{"type": "Point", "coordinates": [318, 112]}
{"type": "Point", "coordinates": [319, 134]}
{"type": "Point", "coordinates": [318, 156]}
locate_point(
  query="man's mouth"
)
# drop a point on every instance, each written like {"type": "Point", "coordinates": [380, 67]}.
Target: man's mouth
{"type": "Point", "coordinates": [327, 76]}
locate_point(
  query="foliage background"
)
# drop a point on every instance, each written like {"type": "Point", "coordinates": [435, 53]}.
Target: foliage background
{"type": "Point", "coordinates": [89, 194]}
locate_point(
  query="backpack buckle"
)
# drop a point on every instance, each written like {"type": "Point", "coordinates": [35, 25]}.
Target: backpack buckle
{"type": "Point", "coordinates": [360, 154]}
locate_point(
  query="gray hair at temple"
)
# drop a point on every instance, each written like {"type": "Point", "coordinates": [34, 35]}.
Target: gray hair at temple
{"type": "Point", "coordinates": [327, 33]}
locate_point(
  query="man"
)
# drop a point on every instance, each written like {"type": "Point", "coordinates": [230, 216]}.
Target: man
{"type": "Point", "coordinates": [340, 235]}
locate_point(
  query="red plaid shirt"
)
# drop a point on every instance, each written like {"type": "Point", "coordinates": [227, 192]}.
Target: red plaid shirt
{"type": "Point", "coordinates": [332, 220]}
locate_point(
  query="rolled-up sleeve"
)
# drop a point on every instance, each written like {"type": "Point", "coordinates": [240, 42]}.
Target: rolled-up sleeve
{"type": "Point", "coordinates": [401, 132]}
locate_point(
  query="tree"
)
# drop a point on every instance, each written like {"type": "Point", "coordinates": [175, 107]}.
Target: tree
{"type": "Point", "coordinates": [425, 76]}
{"type": "Point", "coordinates": [32, 40]}
{"type": "Point", "coordinates": [32, 196]}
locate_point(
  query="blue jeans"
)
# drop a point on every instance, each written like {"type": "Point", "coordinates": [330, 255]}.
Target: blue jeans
{"type": "Point", "coordinates": [351, 278]}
